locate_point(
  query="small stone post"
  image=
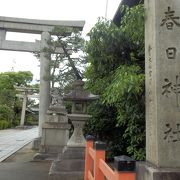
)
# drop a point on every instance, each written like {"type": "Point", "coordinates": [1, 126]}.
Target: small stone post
{"type": "Point", "coordinates": [162, 46]}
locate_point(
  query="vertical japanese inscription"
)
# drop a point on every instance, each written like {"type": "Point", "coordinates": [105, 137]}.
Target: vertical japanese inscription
{"type": "Point", "coordinates": [170, 20]}
{"type": "Point", "coordinates": [150, 100]}
{"type": "Point", "coordinates": [171, 87]}
{"type": "Point", "coordinates": [150, 73]}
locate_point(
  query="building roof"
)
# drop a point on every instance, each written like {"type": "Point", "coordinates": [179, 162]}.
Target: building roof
{"type": "Point", "coordinates": [118, 15]}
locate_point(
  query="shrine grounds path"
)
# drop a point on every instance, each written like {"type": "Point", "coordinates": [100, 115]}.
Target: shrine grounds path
{"type": "Point", "coordinates": [11, 140]}
{"type": "Point", "coordinates": [16, 156]}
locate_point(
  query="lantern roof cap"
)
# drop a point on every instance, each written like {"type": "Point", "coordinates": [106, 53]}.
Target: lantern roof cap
{"type": "Point", "coordinates": [79, 94]}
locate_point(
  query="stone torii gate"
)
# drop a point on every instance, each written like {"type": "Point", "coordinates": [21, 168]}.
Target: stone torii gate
{"type": "Point", "coordinates": [43, 27]}
{"type": "Point", "coordinates": [25, 93]}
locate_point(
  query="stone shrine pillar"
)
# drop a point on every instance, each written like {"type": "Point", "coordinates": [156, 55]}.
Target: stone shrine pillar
{"type": "Point", "coordinates": [44, 99]}
{"type": "Point", "coordinates": [162, 49]}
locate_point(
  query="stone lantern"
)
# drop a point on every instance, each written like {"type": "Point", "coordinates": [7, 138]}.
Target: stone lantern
{"type": "Point", "coordinates": [80, 99]}
{"type": "Point", "coordinates": [70, 164]}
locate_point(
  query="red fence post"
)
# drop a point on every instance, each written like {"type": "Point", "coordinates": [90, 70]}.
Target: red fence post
{"type": "Point", "coordinates": [99, 154]}
{"type": "Point", "coordinates": [88, 159]}
{"type": "Point", "coordinates": [125, 168]}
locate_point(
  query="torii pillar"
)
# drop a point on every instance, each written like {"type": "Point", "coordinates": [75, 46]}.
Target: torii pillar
{"type": "Point", "coordinates": [45, 82]}
{"type": "Point", "coordinates": [23, 112]}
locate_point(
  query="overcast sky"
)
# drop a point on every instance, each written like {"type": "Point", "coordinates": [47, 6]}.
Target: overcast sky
{"type": "Point", "coordinates": [88, 10]}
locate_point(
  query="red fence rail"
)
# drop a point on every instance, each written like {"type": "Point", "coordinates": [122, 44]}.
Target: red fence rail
{"type": "Point", "coordinates": [97, 169]}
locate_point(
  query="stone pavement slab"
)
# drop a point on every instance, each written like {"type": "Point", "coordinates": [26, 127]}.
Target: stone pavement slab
{"type": "Point", "coordinates": [24, 171]}
{"type": "Point", "coordinates": [20, 166]}
{"type": "Point", "coordinates": [12, 140]}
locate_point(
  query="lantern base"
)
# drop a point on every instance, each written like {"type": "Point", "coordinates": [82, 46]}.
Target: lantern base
{"type": "Point", "coordinates": [70, 165]}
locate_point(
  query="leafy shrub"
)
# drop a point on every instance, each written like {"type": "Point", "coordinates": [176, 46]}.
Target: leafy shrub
{"type": "Point", "coordinates": [4, 124]}
{"type": "Point", "coordinates": [29, 120]}
{"type": "Point", "coordinates": [16, 122]}
{"type": "Point", "coordinates": [6, 112]}
{"type": "Point", "coordinates": [102, 125]}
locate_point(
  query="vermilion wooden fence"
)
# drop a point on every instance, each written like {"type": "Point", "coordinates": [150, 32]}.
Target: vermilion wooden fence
{"type": "Point", "coordinates": [97, 169]}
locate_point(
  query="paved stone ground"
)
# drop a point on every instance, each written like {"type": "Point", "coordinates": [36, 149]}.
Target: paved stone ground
{"type": "Point", "coordinates": [12, 140]}
{"type": "Point", "coordinates": [20, 165]}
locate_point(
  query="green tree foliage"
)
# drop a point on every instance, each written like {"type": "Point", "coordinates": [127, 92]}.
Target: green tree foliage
{"type": "Point", "coordinates": [7, 82]}
{"type": "Point", "coordinates": [4, 124]}
{"type": "Point", "coordinates": [10, 105]}
{"type": "Point", "coordinates": [132, 25]}
{"type": "Point", "coordinates": [6, 113]}
{"type": "Point", "coordinates": [69, 65]}
{"type": "Point", "coordinates": [103, 126]}
{"type": "Point", "coordinates": [126, 91]}
{"type": "Point", "coordinates": [18, 78]}
{"type": "Point", "coordinates": [116, 73]}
